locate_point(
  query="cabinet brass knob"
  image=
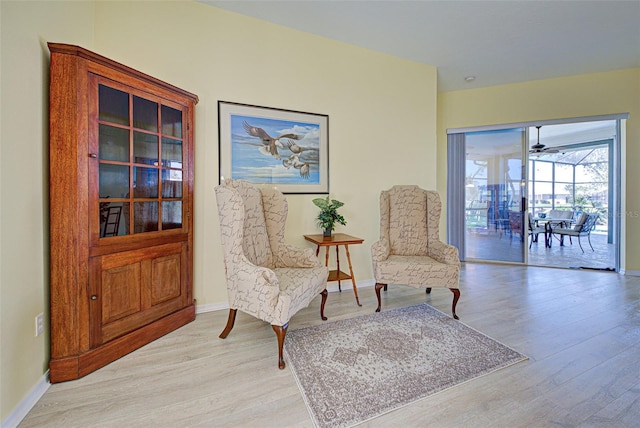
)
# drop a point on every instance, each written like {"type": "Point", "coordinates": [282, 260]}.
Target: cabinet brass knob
{"type": "Point", "coordinates": [93, 155]}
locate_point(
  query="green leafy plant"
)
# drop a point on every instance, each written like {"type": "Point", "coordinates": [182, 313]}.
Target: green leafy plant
{"type": "Point", "coordinates": [328, 216]}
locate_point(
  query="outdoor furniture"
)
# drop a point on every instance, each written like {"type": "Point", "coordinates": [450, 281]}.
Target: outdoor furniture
{"type": "Point", "coordinates": [266, 277]}
{"type": "Point", "coordinates": [476, 215]}
{"type": "Point", "coordinates": [550, 223]}
{"type": "Point", "coordinates": [409, 251]}
{"type": "Point", "coordinates": [515, 224]}
{"type": "Point", "coordinates": [561, 218]}
{"type": "Point", "coordinates": [583, 227]}
{"type": "Point", "coordinates": [534, 230]}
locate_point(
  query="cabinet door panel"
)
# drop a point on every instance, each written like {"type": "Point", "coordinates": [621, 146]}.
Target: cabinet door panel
{"type": "Point", "coordinates": [165, 279]}
{"type": "Point", "coordinates": [135, 288]}
{"type": "Point", "coordinates": [120, 292]}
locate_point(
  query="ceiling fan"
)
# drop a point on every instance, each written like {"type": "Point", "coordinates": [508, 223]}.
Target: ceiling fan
{"type": "Point", "coordinates": [538, 149]}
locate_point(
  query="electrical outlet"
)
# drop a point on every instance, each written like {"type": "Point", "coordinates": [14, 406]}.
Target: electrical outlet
{"type": "Point", "coordinates": [39, 324]}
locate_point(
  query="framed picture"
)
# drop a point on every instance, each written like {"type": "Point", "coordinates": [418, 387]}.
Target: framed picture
{"type": "Point", "coordinates": [263, 145]}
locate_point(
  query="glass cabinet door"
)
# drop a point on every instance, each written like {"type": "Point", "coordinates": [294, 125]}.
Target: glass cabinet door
{"type": "Point", "coordinates": [140, 169]}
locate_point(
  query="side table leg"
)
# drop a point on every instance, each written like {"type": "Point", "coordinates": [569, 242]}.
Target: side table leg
{"type": "Point", "coordinates": [353, 278]}
{"type": "Point", "coordinates": [338, 266]}
{"type": "Point", "coordinates": [326, 256]}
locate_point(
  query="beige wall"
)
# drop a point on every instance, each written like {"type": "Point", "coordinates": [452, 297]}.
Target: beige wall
{"type": "Point", "coordinates": [381, 111]}
{"type": "Point", "coordinates": [374, 102]}
{"type": "Point", "coordinates": [568, 97]}
{"type": "Point", "coordinates": [24, 260]}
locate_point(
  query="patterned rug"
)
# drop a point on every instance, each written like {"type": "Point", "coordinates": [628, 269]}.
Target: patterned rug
{"type": "Point", "coordinates": [353, 370]}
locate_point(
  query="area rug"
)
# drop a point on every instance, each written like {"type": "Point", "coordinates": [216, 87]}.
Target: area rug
{"type": "Point", "coordinates": [352, 370]}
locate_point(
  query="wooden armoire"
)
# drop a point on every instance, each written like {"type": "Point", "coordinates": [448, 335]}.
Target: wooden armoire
{"type": "Point", "coordinates": [121, 210]}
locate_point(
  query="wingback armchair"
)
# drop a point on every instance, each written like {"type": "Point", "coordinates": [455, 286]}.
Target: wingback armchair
{"type": "Point", "coordinates": [266, 277]}
{"type": "Point", "coordinates": [409, 251]}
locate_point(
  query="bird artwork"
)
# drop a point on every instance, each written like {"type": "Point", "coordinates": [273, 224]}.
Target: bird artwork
{"type": "Point", "coordinates": [294, 161]}
{"type": "Point", "coordinates": [269, 144]}
{"type": "Point", "coordinates": [294, 148]}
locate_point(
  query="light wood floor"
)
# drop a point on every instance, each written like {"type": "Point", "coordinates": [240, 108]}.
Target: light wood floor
{"type": "Point", "coordinates": [491, 245]}
{"type": "Point", "coordinates": [580, 330]}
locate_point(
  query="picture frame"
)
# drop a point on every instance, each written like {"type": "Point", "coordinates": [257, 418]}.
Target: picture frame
{"type": "Point", "coordinates": [288, 149]}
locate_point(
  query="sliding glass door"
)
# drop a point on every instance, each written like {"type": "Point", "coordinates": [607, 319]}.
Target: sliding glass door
{"type": "Point", "coordinates": [506, 184]}
{"type": "Point", "coordinates": [494, 195]}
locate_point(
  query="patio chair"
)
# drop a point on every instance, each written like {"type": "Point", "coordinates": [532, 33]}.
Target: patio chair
{"type": "Point", "coordinates": [583, 227]}
{"type": "Point", "coordinates": [534, 230]}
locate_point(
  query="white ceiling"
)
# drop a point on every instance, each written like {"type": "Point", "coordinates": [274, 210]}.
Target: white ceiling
{"type": "Point", "coordinates": [499, 42]}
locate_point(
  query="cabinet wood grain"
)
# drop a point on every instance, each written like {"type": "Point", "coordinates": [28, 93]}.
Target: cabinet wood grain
{"type": "Point", "coordinates": [121, 142]}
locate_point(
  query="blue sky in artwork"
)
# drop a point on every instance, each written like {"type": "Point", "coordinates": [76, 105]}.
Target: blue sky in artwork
{"type": "Point", "coordinates": [251, 160]}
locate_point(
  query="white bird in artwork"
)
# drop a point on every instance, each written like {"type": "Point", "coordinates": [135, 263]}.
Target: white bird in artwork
{"type": "Point", "coordinates": [270, 144]}
{"type": "Point", "coordinates": [304, 170]}
{"type": "Point", "coordinates": [294, 161]}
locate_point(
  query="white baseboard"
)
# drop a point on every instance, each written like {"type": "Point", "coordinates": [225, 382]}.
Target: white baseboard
{"type": "Point", "coordinates": [25, 406]}
{"type": "Point", "coordinates": [332, 287]}
{"type": "Point", "coordinates": [201, 309]}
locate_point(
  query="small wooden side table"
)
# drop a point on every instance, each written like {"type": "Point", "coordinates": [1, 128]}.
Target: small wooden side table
{"type": "Point", "coordinates": [335, 240]}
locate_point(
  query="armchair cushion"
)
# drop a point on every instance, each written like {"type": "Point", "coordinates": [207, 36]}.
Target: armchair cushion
{"type": "Point", "coordinates": [417, 272]}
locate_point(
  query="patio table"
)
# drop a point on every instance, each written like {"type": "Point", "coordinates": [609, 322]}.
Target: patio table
{"type": "Point", "coordinates": [548, 223]}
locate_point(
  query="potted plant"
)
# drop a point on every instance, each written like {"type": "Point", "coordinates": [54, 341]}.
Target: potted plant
{"type": "Point", "coordinates": [328, 215]}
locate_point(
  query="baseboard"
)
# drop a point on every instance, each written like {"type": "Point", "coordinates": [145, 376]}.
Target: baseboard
{"type": "Point", "coordinates": [201, 309]}
{"type": "Point", "coordinates": [332, 287]}
{"type": "Point", "coordinates": [25, 406]}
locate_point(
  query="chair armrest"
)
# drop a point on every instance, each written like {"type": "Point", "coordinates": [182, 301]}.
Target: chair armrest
{"type": "Point", "coordinates": [247, 281]}
{"type": "Point", "coordinates": [380, 250]}
{"type": "Point", "coordinates": [444, 253]}
{"type": "Point", "coordinates": [295, 257]}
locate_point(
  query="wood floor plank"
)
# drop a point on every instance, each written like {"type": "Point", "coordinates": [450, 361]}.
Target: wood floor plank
{"type": "Point", "coordinates": [580, 329]}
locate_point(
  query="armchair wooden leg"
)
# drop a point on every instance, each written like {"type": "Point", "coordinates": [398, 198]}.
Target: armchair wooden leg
{"type": "Point", "coordinates": [456, 296]}
{"type": "Point", "coordinates": [230, 321]}
{"type": "Point", "coordinates": [324, 300]}
{"type": "Point", "coordinates": [378, 288]}
{"type": "Point", "coordinates": [281, 331]}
